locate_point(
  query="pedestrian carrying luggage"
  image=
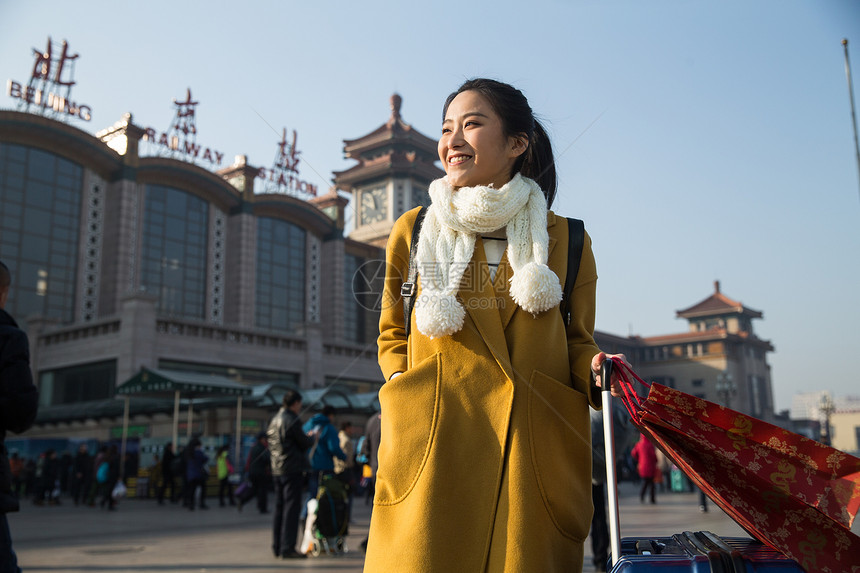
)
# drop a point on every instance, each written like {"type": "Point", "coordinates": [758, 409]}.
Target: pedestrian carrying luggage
{"type": "Point", "coordinates": [694, 552]}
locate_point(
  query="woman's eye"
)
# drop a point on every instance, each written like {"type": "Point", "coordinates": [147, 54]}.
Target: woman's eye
{"type": "Point", "coordinates": [472, 123]}
{"type": "Point", "coordinates": [445, 130]}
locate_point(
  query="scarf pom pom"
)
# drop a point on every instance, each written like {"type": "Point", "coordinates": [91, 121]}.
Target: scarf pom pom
{"type": "Point", "coordinates": [535, 288]}
{"type": "Point", "coordinates": [438, 314]}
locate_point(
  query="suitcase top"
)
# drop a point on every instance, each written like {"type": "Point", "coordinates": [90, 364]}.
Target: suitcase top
{"type": "Point", "coordinates": [701, 551]}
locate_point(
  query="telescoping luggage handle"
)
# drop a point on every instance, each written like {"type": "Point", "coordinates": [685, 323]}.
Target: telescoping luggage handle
{"type": "Point", "coordinates": [609, 449]}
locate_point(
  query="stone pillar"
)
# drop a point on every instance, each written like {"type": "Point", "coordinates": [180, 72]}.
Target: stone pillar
{"type": "Point", "coordinates": [137, 335]}
{"type": "Point", "coordinates": [35, 326]}
{"type": "Point", "coordinates": [240, 278]}
{"type": "Point", "coordinates": [241, 250]}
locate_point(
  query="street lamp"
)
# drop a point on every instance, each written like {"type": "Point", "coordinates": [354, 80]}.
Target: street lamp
{"type": "Point", "coordinates": [726, 387]}
{"type": "Point", "coordinates": [826, 409]}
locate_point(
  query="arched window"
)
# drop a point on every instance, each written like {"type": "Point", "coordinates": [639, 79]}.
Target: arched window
{"type": "Point", "coordinates": [40, 213]}
{"type": "Point", "coordinates": [280, 274]}
{"type": "Point", "coordinates": [173, 261]}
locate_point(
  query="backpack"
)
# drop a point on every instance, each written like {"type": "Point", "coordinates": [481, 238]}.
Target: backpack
{"type": "Point", "coordinates": [102, 472]}
{"type": "Point", "coordinates": [576, 240]}
{"type": "Point", "coordinates": [332, 515]}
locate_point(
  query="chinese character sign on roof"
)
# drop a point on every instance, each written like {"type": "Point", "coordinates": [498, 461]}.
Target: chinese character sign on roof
{"type": "Point", "coordinates": [48, 91]}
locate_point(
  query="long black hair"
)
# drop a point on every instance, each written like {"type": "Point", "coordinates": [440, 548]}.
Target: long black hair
{"type": "Point", "coordinates": [512, 107]}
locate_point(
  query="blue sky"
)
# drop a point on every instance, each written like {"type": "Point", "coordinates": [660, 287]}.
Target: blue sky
{"type": "Point", "coordinates": [699, 141]}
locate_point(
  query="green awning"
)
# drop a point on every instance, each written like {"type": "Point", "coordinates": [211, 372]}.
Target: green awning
{"type": "Point", "coordinates": [152, 382]}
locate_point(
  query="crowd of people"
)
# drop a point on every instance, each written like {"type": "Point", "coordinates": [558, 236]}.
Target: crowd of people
{"type": "Point", "coordinates": [89, 478]}
{"type": "Point", "coordinates": [86, 479]}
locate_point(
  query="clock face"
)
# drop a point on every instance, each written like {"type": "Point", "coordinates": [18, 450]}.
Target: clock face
{"type": "Point", "coordinates": [374, 205]}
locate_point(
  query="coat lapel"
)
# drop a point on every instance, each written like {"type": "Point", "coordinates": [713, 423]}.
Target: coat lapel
{"type": "Point", "coordinates": [478, 298]}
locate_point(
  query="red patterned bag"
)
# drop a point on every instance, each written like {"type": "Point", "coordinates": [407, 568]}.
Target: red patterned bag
{"type": "Point", "coordinates": [795, 494]}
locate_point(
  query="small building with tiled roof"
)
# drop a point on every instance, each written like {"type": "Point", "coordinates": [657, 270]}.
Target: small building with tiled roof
{"type": "Point", "coordinates": [719, 358]}
{"type": "Point", "coordinates": [396, 164]}
{"type": "Point", "coordinates": [718, 310]}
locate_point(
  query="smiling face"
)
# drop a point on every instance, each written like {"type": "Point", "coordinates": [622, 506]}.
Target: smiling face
{"type": "Point", "coordinates": [473, 146]}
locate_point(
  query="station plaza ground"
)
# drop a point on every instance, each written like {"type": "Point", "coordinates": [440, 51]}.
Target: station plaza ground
{"type": "Point", "coordinates": [142, 536]}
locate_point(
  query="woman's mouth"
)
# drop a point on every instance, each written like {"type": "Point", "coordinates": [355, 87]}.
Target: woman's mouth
{"type": "Point", "coordinates": [458, 159]}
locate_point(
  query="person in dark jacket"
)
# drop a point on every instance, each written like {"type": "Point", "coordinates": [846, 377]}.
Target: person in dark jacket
{"type": "Point", "coordinates": [82, 473]}
{"type": "Point", "coordinates": [50, 478]}
{"type": "Point", "coordinates": [195, 473]}
{"type": "Point", "coordinates": [288, 446]}
{"type": "Point", "coordinates": [19, 402]}
{"type": "Point", "coordinates": [325, 449]}
{"type": "Point", "coordinates": [180, 470]}
{"type": "Point", "coordinates": [167, 475]}
{"type": "Point", "coordinates": [65, 471]}
{"type": "Point", "coordinates": [259, 470]}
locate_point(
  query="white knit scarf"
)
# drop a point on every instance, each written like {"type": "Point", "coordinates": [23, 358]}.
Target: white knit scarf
{"type": "Point", "coordinates": [447, 242]}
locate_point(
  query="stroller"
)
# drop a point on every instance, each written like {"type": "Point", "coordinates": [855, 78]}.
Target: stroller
{"type": "Point", "coordinates": [328, 518]}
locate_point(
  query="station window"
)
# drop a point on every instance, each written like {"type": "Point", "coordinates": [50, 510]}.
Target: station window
{"type": "Point", "coordinates": [173, 261]}
{"type": "Point", "coordinates": [82, 383]}
{"type": "Point", "coordinates": [280, 274]}
{"type": "Point", "coordinates": [40, 211]}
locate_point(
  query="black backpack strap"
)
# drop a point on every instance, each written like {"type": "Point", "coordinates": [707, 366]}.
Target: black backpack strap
{"type": "Point", "coordinates": [410, 287]}
{"type": "Point", "coordinates": [576, 240]}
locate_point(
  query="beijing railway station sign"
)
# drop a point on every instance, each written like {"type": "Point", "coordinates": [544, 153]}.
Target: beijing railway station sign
{"type": "Point", "coordinates": [283, 177]}
{"type": "Point", "coordinates": [48, 91]}
{"type": "Point", "coordinates": [180, 140]}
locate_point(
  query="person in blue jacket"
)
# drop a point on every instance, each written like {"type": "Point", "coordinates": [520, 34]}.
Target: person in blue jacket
{"type": "Point", "coordinates": [326, 447]}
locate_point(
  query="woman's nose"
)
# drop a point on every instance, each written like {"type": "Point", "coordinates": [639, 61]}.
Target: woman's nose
{"type": "Point", "coordinates": [455, 138]}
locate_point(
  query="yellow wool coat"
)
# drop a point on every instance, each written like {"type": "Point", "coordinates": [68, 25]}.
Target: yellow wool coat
{"type": "Point", "coordinates": [485, 453]}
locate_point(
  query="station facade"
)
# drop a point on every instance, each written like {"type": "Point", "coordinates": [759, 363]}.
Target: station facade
{"type": "Point", "coordinates": [122, 262]}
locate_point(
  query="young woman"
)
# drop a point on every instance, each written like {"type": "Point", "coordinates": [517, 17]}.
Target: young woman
{"type": "Point", "coordinates": [485, 458]}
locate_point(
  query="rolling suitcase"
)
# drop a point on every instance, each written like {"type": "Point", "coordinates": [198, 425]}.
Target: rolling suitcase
{"type": "Point", "coordinates": [694, 552]}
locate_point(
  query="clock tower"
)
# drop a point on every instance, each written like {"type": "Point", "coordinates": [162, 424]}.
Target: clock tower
{"type": "Point", "coordinates": [395, 166]}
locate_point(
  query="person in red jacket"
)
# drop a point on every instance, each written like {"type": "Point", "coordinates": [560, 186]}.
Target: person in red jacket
{"type": "Point", "coordinates": [645, 455]}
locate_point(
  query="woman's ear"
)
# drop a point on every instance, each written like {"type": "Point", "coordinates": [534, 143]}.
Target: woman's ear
{"type": "Point", "coordinates": [519, 143]}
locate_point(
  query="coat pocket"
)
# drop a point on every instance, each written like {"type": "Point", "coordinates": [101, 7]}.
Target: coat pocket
{"type": "Point", "coordinates": [560, 443]}
{"type": "Point", "coordinates": [410, 411]}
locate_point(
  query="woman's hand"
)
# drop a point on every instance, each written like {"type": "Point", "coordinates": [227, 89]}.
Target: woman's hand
{"type": "Point", "coordinates": [596, 363]}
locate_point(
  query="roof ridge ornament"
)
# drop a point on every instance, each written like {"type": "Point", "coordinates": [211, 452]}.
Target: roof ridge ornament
{"type": "Point", "coordinates": [396, 102]}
